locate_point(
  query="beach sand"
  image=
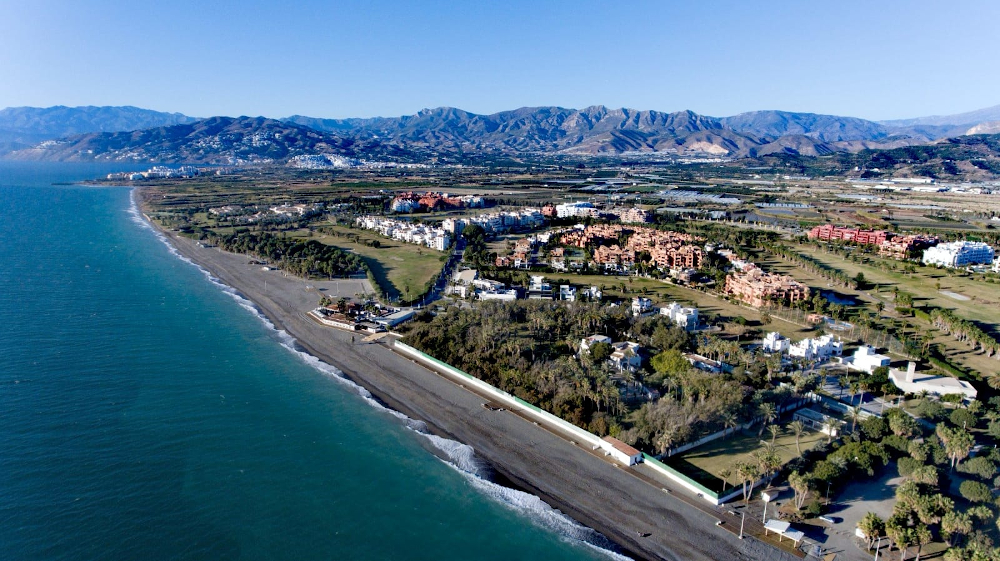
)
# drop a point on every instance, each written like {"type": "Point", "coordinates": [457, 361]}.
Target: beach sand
{"type": "Point", "coordinates": [590, 489]}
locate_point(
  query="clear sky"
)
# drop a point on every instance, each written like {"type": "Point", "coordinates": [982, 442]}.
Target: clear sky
{"type": "Point", "coordinates": [874, 59]}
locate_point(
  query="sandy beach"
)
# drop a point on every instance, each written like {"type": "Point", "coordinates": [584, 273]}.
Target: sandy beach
{"type": "Point", "coordinates": [590, 489]}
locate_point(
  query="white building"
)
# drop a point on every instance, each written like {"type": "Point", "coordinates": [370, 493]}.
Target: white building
{"type": "Point", "coordinates": [641, 305]}
{"type": "Point", "coordinates": [504, 295]}
{"type": "Point", "coordinates": [460, 290]}
{"type": "Point", "coordinates": [595, 293]}
{"type": "Point", "coordinates": [494, 222]}
{"type": "Point", "coordinates": [620, 451]}
{"type": "Point", "coordinates": [867, 360]}
{"type": "Point", "coordinates": [958, 254]}
{"type": "Point", "coordinates": [820, 348]}
{"type": "Point", "coordinates": [569, 210]}
{"type": "Point", "coordinates": [775, 342]}
{"type": "Point", "coordinates": [466, 277]}
{"type": "Point", "coordinates": [625, 356]}
{"type": "Point", "coordinates": [538, 289]}
{"type": "Point", "coordinates": [685, 318]}
{"type": "Point", "coordinates": [567, 292]}
{"type": "Point", "coordinates": [817, 421]}
{"type": "Point", "coordinates": [589, 342]}
{"type": "Point", "coordinates": [910, 382]}
{"type": "Point", "coordinates": [420, 234]}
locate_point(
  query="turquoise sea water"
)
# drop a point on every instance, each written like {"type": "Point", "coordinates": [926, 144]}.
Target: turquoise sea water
{"type": "Point", "coordinates": [146, 414]}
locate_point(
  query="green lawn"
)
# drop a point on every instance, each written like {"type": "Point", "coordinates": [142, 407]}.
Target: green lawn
{"type": "Point", "coordinates": [405, 267]}
{"type": "Point", "coordinates": [705, 463]}
{"type": "Point", "coordinates": [983, 298]}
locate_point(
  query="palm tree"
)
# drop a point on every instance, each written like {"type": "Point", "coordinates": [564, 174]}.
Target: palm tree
{"type": "Point", "coordinates": [774, 429]}
{"type": "Point", "coordinates": [729, 421]}
{"type": "Point", "coordinates": [747, 472]}
{"type": "Point", "coordinates": [724, 475]}
{"type": "Point", "coordinates": [854, 413]}
{"type": "Point", "coordinates": [768, 413]}
{"type": "Point", "coordinates": [797, 428]}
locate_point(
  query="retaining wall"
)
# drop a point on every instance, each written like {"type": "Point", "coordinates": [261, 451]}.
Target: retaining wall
{"type": "Point", "coordinates": [539, 415]}
{"type": "Point", "coordinates": [553, 422]}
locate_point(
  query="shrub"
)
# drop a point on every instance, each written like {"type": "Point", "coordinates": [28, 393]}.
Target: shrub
{"type": "Point", "coordinates": [814, 508]}
{"type": "Point", "coordinates": [980, 466]}
{"type": "Point", "coordinates": [907, 465]}
{"type": "Point", "coordinates": [930, 410]}
{"type": "Point", "coordinates": [963, 418]}
{"type": "Point", "coordinates": [975, 491]}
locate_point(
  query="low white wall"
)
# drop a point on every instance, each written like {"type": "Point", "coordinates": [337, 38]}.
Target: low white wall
{"type": "Point", "coordinates": [539, 415]}
{"type": "Point", "coordinates": [683, 482]}
{"type": "Point", "coordinates": [810, 397]}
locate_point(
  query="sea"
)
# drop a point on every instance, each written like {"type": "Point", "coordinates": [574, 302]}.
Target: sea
{"type": "Point", "coordinates": [149, 413]}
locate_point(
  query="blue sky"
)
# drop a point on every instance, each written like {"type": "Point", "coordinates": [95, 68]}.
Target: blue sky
{"type": "Point", "coordinates": [873, 59]}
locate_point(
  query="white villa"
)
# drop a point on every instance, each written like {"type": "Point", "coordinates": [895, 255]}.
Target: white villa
{"type": "Point", "coordinates": [588, 342]}
{"type": "Point", "coordinates": [867, 360]}
{"type": "Point", "coordinates": [820, 348]}
{"type": "Point", "coordinates": [626, 356]}
{"type": "Point", "coordinates": [641, 305]}
{"type": "Point", "coordinates": [685, 318]}
{"type": "Point", "coordinates": [910, 382]}
{"type": "Point", "coordinates": [434, 238]}
{"type": "Point", "coordinates": [775, 342]}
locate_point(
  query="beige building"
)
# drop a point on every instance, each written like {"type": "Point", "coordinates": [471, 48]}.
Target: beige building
{"type": "Point", "coordinates": [757, 288]}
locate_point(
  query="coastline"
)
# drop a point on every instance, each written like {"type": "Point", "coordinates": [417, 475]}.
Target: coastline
{"type": "Point", "coordinates": [594, 492]}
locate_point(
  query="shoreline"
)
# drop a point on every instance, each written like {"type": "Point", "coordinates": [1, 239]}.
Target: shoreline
{"type": "Point", "coordinates": [519, 454]}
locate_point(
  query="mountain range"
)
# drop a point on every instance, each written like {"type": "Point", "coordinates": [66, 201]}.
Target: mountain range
{"type": "Point", "coordinates": [21, 127]}
{"type": "Point", "coordinates": [132, 134]}
{"type": "Point", "coordinates": [217, 140]}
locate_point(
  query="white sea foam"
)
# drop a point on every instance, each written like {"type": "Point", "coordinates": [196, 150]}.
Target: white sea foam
{"type": "Point", "coordinates": [460, 457]}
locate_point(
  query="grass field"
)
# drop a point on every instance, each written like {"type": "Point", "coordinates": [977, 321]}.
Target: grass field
{"type": "Point", "coordinates": [405, 267]}
{"type": "Point", "coordinates": [983, 296]}
{"type": "Point", "coordinates": [981, 305]}
{"type": "Point", "coordinates": [705, 463]}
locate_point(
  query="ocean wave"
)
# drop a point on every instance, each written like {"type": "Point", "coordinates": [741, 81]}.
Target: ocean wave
{"type": "Point", "coordinates": [457, 455]}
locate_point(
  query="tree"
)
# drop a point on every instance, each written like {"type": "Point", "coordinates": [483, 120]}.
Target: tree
{"type": "Point", "coordinates": [797, 428]}
{"type": "Point", "coordinates": [748, 473]}
{"type": "Point", "coordinates": [872, 526]}
{"type": "Point", "coordinates": [955, 525]}
{"type": "Point", "coordinates": [774, 430]}
{"type": "Point", "coordinates": [975, 492]}
{"type": "Point", "coordinates": [600, 352]}
{"type": "Point", "coordinates": [670, 362]}
{"type": "Point", "coordinates": [854, 413]}
{"type": "Point", "coordinates": [963, 418]}
{"type": "Point", "coordinates": [768, 413]}
{"type": "Point", "coordinates": [980, 466]}
{"type": "Point", "coordinates": [921, 536]}
{"type": "Point", "coordinates": [897, 527]}
{"type": "Point", "coordinates": [957, 443]}
{"type": "Point", "coordinates": [827, 471]}
{"type": "Point", "coordinates": [903, 425]}
{"type": "Point", "coordinates": [724, 474]}
{"type": "Point", "coordinates": [800, 484]}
